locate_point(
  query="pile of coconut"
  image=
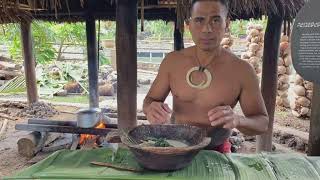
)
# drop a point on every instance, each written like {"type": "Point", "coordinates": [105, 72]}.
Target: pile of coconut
{"type": "Point", "coordinates": [301, 106]}
{"type": "Point", "coordinates": [227, 41]}
{"type": "Point", "coordinates": [254, 52]}
{"type": "Point", "coordinates": [284, 70]}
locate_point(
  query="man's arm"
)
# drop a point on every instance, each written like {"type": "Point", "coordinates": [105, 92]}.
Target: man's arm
{"type": "Point", "coordinates": [153, 106]}
{"type": "Point", "coordinates": [256, 118]}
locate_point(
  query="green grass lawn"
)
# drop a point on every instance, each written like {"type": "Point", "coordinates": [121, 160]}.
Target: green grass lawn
{"type": "Point", "coordinates": [83, 99]}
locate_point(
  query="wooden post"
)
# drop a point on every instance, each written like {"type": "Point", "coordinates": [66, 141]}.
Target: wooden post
{"type": "Point", "coordinates": [270, 77]}
{"type": "Point", "coordinates": [178, 38]}
{"type": "Point", "coordinates": [285, 28]}
{"type": "Point", "coordinates": [92, 61]}
{"type": "Point", "coordinates": [29, 63]}
{"type": "Point", "coordinates": [314, 133]}
{"type": "Point", "coordinates": [126, 47]}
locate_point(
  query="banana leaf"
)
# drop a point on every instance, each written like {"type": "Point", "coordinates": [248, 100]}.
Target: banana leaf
{"type": "Point", "coordinates": [66, 164]}
{"type": "Point", "coordinates": [292, 166]}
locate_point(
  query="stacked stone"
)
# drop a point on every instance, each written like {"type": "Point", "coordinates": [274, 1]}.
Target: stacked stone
{"type": "Point", "coordinates": [227, 41]}
{"type": "Point", "coordinates": [284, 71]}
{"type": "Point", "coordinates": [301, 106]}
{"type": "Point", "coordinates": [254, 53]}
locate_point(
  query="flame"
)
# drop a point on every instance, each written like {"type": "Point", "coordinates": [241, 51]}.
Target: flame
{"type": "Point", "coordinates": [86, 137]}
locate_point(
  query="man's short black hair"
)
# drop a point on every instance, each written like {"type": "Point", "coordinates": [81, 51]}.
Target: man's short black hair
{"type": "Point", "coordinates": [223, 2]}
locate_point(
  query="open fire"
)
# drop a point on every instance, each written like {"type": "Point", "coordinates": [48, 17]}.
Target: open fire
{"type": "Point", "coordinates": [84, 138]}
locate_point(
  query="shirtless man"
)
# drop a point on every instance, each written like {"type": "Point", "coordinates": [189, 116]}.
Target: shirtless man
{"type": "Point", "coordinates": [199, 101]}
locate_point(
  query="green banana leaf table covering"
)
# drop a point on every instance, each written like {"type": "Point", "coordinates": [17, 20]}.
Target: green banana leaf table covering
{"type": "Point", "coordinates": [67, 164]}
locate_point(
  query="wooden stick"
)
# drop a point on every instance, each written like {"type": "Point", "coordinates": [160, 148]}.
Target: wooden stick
{"type": "Point", "coordinates": [7, 117]}
{"type": "Point", "coordinates": [115, 166]}
{"type": "Point", "coordinates": [3, 129]}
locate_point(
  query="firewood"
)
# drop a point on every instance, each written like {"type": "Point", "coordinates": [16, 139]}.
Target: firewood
{"type": "Point", "coordinates": [27, 144]}
{"type": "Point", "coordinates": [8, 117]}
{"type": "Point", "coordinates": [32, 143]}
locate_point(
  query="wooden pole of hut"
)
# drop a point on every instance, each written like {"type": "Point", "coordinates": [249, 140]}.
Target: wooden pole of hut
{"type": "Point", "coordinates": [29, 62]}
{"type": "Point", "coordinates": [178, 37]}
{"type": "Point", "coordinates": [126, 53]}
{"type": "Point", "coordinates": [270, 77]}
{"type": "Point", "coordinates": [314, 133]}
{"type": "Point", "coordinates": [92, 61]}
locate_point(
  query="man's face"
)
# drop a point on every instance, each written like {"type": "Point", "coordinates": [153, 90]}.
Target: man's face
{"type": "Point", "coordinates": [208, 24]}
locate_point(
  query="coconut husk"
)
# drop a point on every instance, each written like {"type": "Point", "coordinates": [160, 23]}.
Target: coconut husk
{"type": "Point", "coordinates": [251, 53]}
{"type": "Point", "coordinates": [106, 90]}
{"type": "Point", "coordinates": [280, 61]}
{"type": "Point", "coordinates": [282, 70]}
{"type": "Point", "coordinates": [309, 94]}
{"type": "Point", "coordinates": [293, 105]}
{"type": "Point", "coordinates": [303, 101]}
{"type": "Point", "coordinates": [308, 85]}
{"type": "Point", "coordinates": [248, 38]}
{"type": "Point", "coordinates": [298, 80]}
{"type": "Point", "coordinates": [254, 32]}
{"type": "Point", "coordinates": [283, 87]}
{"type": "Point", "coordinates": [255, 39]}
{"type": "Point", "coordinates": [72, 87]}
{"type": "Point", "coordinates": [299, 90]}
{"type": "Point", "coordinates": [244, 56]}
{"type": "Point", "coordinates": [259, 53]}
{"type": "Point", "coordinates": [284, 46]}
{"type": "Point", "coordinates": [295, 113]}
{"type": "Point", "coordinates": [254, 47]}
{"type": "Point", "coordinates": [304, 111]}
{"type": "Point", "coordinates": [284, 78]}
{"type": "Point", "coordinates": [254, 60]}
{"type": "Point", "coordinates": [282, 94]}
{"type": "Point", "coordinates": [284, 38]}
{"type": "Point", "coordinates": [258, 27]}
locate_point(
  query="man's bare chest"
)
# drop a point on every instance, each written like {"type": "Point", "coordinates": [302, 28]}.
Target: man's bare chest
{"type": "Point", "coordinates": [224, 89]}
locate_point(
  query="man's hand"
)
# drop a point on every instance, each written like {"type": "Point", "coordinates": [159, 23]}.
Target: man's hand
{"type": "Point", "coordinates": [158, 113]}
{"type": "Point", "coordinates": [224, 116]}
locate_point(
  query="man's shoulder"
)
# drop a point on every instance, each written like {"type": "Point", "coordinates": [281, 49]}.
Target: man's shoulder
{"type": "Point", "coordinates": [177, 56]}
{"type": "Point", "coordinates": [186, 52]}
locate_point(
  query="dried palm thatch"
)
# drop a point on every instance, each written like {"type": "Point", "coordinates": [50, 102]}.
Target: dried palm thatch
{"type": "Point", "coordinates": [17, 10]}
{"type": "Point", "coordinates": [12, 11]}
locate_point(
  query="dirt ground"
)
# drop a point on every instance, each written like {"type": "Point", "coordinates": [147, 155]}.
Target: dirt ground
{"type": "Point", "coordinates": [284, 117]}
{"type": "Point", "coordinates": [11, 162]}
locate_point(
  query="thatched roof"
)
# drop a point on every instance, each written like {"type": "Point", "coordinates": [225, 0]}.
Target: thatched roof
{"type": "Point", "coordinates": [168, 10]}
